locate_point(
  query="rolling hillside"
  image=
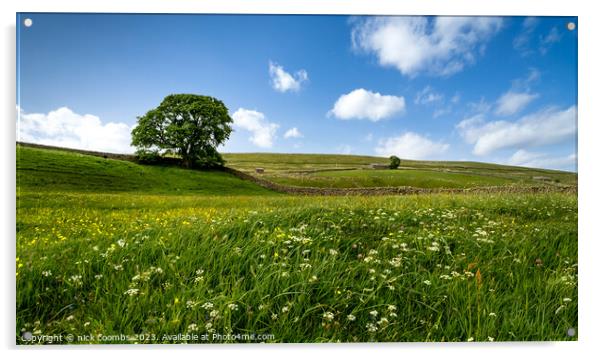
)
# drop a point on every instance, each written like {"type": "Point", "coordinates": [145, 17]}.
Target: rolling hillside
{"type": "Point", "coordinates": [65, 171]}
{"type": "Point", "coordinates": [351, 171]}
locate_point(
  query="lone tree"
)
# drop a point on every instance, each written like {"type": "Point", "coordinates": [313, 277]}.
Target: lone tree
{"type": "Point", "coordinates": [187, 125]}
{"type": "Point", "coordinates": [394, 162]}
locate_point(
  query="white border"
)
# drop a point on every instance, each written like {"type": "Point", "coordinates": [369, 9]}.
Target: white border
{"type": "Point", "coordinates": [588, 150]}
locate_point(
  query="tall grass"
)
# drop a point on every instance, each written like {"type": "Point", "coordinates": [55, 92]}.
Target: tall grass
{"type": "Point", "coordinates": [422, 268]}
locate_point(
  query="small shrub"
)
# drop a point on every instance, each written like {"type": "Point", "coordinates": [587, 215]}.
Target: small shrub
{"type": "Point", "coordinates": [148, 156]}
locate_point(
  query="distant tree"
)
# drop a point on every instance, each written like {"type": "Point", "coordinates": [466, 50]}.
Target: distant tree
{"type": "Point", "coordinates": [394, 162]}
{"type": "Point", "coordinates": [186, 125]}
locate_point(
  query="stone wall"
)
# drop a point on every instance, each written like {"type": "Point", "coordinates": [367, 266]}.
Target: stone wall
{"type": "Point", "coordinates": [403, 190]}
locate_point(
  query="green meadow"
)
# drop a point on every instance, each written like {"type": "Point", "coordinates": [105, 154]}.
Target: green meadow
{"type": "Point", "coordinates": [352, 171]}
{"type": "Point", "coordinates": [109, 249]}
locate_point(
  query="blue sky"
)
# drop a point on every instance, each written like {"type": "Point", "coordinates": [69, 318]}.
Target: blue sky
{"type": "Point", "coordinates": [462, 88]}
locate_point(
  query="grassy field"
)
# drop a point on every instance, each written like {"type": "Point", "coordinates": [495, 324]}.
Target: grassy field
{"type": "Point", "coordinates": [350, 171]}
{"type": "Point", "coordinates": [115, 252]}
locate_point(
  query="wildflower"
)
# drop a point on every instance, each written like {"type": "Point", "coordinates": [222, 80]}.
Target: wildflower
{"type": "Point", "coordinates": [285, 309]}
{"type": "Point", "coordinates": [207, 305]}
{"type": "Point", "coordinates": [233, 307]}
{"type": "Point", "coordinates": [427, 282]}
{"type": "Point", "coordinates": [374, 313]}
{"type": "Point", "coordinates": [47, 273]}
{"type": "Point", "coordinates": [86, 324]}
{"type": "Point", "coordinates": [351, 317]}
{"type": "Point", "coordinates": [193, 327]}
{"type": "Point", "coordinates": [118, 267]}
{"type": "Point", "coordinates": [392, 308]}
{"type": "Point", "coordinates": [214, 314]}
{"type": "Point", "coordinates": [328, 316]}
{"type": "Point", "coordinates": [470, 339]}
{"type": "Point", "coordinates": [566, 299]}
{"type": "Point", "coordinates": [491, 339]}
{"type": "Point", "coordinates": [191, 304]}
{"type": "Point", "coordinates": [492, 314]}
{"type": "Point", "coordinates": [333, 252]}
{"type": "Point", "coordinates": [70, 318]}
{"type": "Point", "coordinates": [383, 321]}
{"type": "Point", "coordinates": [371, 327]}
{"type": "Point", "coordinates": [132, 292]}
{"type": "Point", "coordinates": [274, 316]}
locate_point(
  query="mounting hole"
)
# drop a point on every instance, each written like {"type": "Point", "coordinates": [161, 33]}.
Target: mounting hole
{"type": "Point", "coordinates": [571, 26]}
{"type": "Point", "coordinates": [28, 22]}
{"type": "Point", "coordinates": [571, 332]}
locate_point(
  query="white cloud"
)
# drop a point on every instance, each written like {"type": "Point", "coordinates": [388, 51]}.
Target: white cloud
{"type": "Point", "coordinates": [525, 158]}
{"type": "Point", "coordinates": [479, 107]}
{"type": "Point", "coordinates": [439, 46]}
{"type": "Point", "coordinates": [283, 81]}
{"type": "Point", "coordinates": [547, 126]}
{"type": "Point", "coordinates": [427, 95]}
{"type": "Point", "coordinates": [293, 133]}
{"type": "Point", "coordinates": [263, 132]}
{"type": "Point", "coordinates": [363, 104]}
{"type": "Point", "coordinates": [410, 145]}
{"type": "Point", "coordinates": [524, 83]}
{"type": "Point", "coordinates": [65, 128]}
{"type": "Point", "coordinates": [521, 42]}
{"type": "Point", "coordinates": [513, 102]}
{"type": "Point", "coordinates": [441, 112]}
{"type": "Point", "coordinates": [545, 42]}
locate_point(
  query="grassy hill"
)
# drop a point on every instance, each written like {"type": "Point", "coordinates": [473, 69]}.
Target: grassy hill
{"type": "Point", "coordinates": [351, 171]}
{"type": "Point", "coordinates": [63, 171]}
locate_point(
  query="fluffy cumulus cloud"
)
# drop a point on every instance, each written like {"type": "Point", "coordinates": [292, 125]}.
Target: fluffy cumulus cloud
{"type": "Point", "coordinates": [65, 128]}
{"type": "Point", "coordinates": [525, 158]}
{"type": "Point", "coordinates": [548, 126]}
{"type": "Point", "coordinates": [410, 145]}
{"type": "Point", "coordinates": [438, 46]}
{"type": "Point", "coordinates": [293, 133]}
{"type": "Point", "coordinates": [283, 81]}
{"type": "Point", "coordinates": [263, 132]}
{"type": "Point", "coordinates": [513, 102]}
{"type": "Point", "coordinates": [363, 104]}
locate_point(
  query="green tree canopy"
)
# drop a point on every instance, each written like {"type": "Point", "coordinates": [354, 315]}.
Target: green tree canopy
{"type": "Point", "coordinates": [395, 161]}
{"type": "Point", "coordinates": [187, 125]}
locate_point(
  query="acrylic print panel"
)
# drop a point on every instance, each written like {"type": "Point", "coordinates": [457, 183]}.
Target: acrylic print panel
{"type": "Point", "coordinates": [274, 178]}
